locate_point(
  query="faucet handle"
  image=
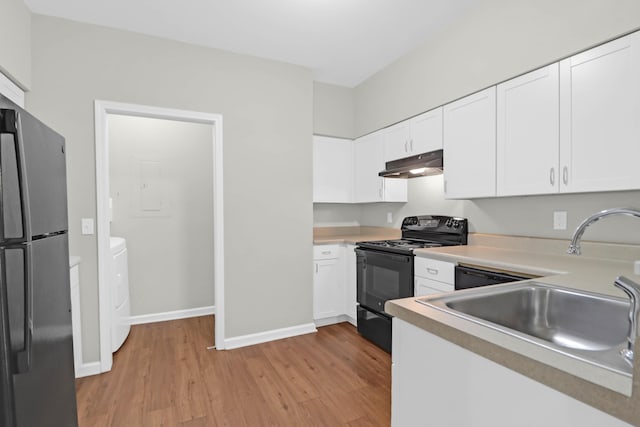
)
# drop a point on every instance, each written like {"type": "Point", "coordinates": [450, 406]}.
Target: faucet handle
{"type": "Point", "coordinates": [573, 249]}
{"type": "Point", "coordinates": [632, 289]}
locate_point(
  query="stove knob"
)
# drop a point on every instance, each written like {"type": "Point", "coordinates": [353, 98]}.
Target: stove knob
{"type": "Point", "coordinates": [449, 223]}
{"type": "Point", "coordinates": [456, 224]}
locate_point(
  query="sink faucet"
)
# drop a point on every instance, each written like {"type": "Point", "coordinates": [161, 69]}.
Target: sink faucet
{"type": "Point", "coordinates": [632, 289]}
{"type": "Point", "coordinates": [574, 247]}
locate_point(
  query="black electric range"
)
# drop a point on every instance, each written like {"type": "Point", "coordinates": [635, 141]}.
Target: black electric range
{"type": "Point", "coordinates": [385, 269]}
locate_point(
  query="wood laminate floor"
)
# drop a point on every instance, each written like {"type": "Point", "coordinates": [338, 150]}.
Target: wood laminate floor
{"type": "Point", "coordinates": [164, 376]}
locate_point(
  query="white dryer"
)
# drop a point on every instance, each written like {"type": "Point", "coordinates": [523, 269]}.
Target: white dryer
{"type": "Point", "coordinates": [119, 293]}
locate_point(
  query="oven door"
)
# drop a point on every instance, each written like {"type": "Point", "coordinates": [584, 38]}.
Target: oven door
{"type": "Point", "coordinates": [383, 276]}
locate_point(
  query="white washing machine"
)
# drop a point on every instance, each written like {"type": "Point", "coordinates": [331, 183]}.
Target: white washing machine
{"type": "Point", "coordinates": [119, 293]}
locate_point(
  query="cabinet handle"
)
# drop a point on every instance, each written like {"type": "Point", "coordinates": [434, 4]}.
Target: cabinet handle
{"type": "Point", "coordinates": [552, 176]}
{"type": "Point", "coordinates": [445, 186]}
{"type": "Point", "coordinates": [405, 147]}
{"type": "Point", "coordinates": [316, 267]}
{"type": "Point", "coordinates": [380, 192]}
{"type": "Point", "coordinates": [565, 175]}
{"type": "Point", "coordinates": [411, 144]}
{"type": "Point", "coordinates": [432, 271]}
{"type": "Point", "coordinates": [326, 252]}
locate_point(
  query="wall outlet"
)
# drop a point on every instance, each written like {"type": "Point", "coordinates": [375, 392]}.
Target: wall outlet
{"type": "Point", "coordinates": [389, 218]}
{"type": "Point", "coordinates": [560, 220]}
{"type": "Point", "coordinates": [87, 226]}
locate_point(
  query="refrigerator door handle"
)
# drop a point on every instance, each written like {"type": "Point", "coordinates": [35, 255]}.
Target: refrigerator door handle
{"type": "Point", "coordinates": [23, 357]}
{"type": "Point", "coordinates": [12, 124]}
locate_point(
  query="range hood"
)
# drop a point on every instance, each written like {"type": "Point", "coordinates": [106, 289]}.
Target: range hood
{"type": "Point", "coordinates": [415, 166]}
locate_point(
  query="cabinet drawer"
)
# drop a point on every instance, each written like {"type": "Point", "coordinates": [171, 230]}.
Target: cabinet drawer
{"type": "Point", "coordinates": [428, 287]}
{"type": "Point", "coordinates": [441, 271]}
{"type": "Point", "coordinates": [326, 252]}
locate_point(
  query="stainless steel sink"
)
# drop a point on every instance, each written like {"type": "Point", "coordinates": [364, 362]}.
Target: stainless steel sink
{"type": "Point", "coordinates": [587, 326]}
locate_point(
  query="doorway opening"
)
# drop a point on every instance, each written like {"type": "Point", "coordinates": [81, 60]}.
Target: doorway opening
{"type": "Point", "coordinates": [151, 203]}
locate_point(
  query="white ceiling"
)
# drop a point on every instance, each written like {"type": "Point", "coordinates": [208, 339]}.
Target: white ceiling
{"type": "Point", "coordinates": [343, 41]}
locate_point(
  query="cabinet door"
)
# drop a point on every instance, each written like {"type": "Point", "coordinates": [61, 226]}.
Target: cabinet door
{"type": "Point", "coordinates": [328, 286]}
{"type": "Point", "coordinates": [332, 170]}
{"type": "Point", "coordinates": [426, 132]}
{"type": "Point", "coordinates": [397, 141]}
{"type": "Point", "coordinates": [470, 146]}
{"type": "Point", "coordinates": [368, 153]}
{"type": "Point", "coordinates": [425, 287]}
{"type": "Point", "coordinates": [433, 269]}
{"type": "Point", "coordinates": [600, 111]}
{"type": "Point", "coordinates": [528, 133]}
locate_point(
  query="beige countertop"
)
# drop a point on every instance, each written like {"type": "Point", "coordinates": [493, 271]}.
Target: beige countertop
{"type": "Point", "coordinates": [614, 393]}
{"type": "Point", "coordinates": [353, 235]}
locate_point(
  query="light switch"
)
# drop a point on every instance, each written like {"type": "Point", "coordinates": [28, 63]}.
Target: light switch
{"type": "Point", "coordinates": [560, 220]}
{"type": "Point", "coordinates": [87, 226]}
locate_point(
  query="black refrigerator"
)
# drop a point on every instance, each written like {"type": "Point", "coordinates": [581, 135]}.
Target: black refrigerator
{"type": "Point", "coordinates": [36, 347]}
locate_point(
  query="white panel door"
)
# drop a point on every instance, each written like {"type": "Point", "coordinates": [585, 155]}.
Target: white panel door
{"type": "Point", "coordinates": [470, 146]}
{"type": "Point", "coordinates": [332, 170]}
{"type": "Point", "coordinates": [426, 132]}
{"type": "Point", "coordinates": [528, 133]}
{"type": "Point", "coordinates": [600, 117]}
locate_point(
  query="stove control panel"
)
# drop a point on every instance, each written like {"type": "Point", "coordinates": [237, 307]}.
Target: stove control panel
{"type": "Point", "coordinates": [436, 228]}
{"type": "Point", "coordinates": [433, 222]}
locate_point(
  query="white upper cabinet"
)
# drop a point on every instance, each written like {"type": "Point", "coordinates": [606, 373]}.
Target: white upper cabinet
{"type": "Point", "coordinates": [528, 133]}
{"type": "Point", "coordinates": [470, 146]}
{"type": "Point", "coordinates": [367, 152]}
{"type": "Point", "coordinates": [332, 170]}
{"type": "Point", "coordinates": [418, 135]}
{"type": "Point", "coordinates": [426, 132]}
{"type": "Point", "coordinates": [369, 161]}
{"type": "Point", "coordinates": [397, 140]}
{"type": "Point", "coordinates": [600, 117]}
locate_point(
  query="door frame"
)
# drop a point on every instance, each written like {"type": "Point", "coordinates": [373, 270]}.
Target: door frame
{"type": "Point", "coordinates": [102, 111]}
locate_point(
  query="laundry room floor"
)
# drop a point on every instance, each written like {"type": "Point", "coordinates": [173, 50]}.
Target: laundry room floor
{"type": "Point", "coordinates": [164, 376]}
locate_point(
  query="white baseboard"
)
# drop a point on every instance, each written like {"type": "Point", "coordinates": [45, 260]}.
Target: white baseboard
{"type": "Point", "coordinates": [172, 315]}
{"type": "Point", "coordinates": [333, 320]}
{"type": "Point", "coordinates": [276, 334]}
{"type": "Point", "coordinates": [87, 369]}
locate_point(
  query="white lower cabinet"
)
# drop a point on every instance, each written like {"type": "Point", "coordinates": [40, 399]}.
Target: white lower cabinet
{"type": "Point", "coordinates": [328, 282]}
{"type": "Point", "coordinates": [432, 276]}
{"type": "Point", "coordinates": [334, 284]}
{"type": "Point", "coordinates": [435, 382]}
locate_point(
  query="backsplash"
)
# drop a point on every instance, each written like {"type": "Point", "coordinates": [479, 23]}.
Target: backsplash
{"type": "Point", "coordinates": [516, 216]}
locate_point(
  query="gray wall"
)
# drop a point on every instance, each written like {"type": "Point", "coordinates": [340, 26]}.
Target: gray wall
{"type": "Point", "coordinates": [15, 48]}
{"type": "Point", "coordinates": [169, 230]}
{"type": "Point", "coordinates": [267, 110]}
{"type": "Point", "coordinates": [333, 110]}
{"type": "Point", "coordinates": [497, 40]}
{"type": "Point", "coordinates": [520, 216]}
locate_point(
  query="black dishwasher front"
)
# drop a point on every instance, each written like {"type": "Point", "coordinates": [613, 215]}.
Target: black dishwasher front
{"type": "Point", "coordinates": [469, 277]}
